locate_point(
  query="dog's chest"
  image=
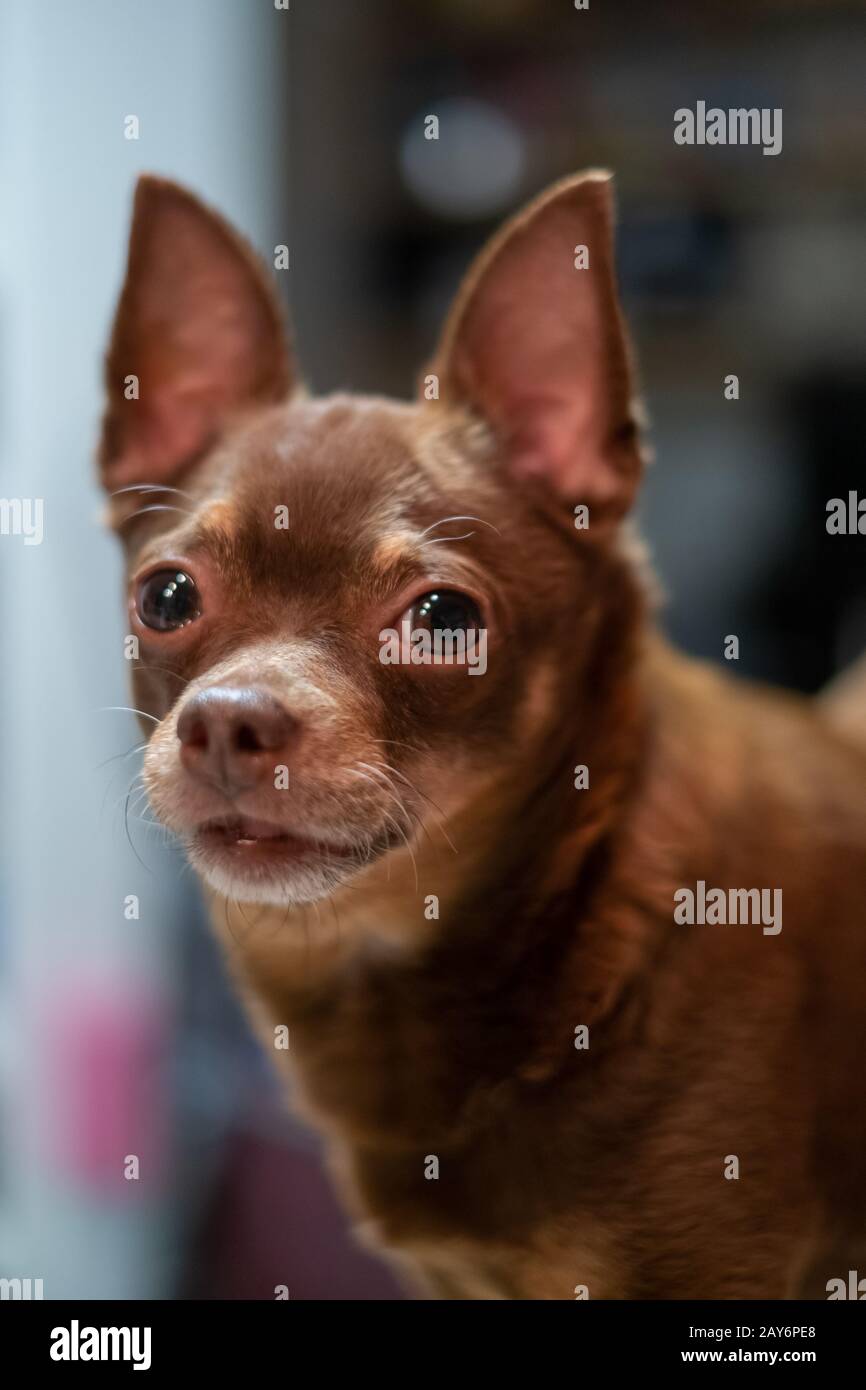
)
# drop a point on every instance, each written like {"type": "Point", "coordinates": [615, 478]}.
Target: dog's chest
{"type": "Point", "coordinates": [478, 1229]}
{"type": "Point", "coordinates": [464, 1183]}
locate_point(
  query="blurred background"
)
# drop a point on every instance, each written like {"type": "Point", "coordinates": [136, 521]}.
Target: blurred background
{"type": "Point", "coordinates": [119, 1036]}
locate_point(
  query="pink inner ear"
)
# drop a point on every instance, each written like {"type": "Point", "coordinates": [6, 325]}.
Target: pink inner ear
{"type": "Point", "coordinates": [176, 429]}
{"type": "Point", "coordinates": [536, 347]}
{"type": "Point", "coordinates": [562, 448]}
{"type": "Point", "coordinates": [200, 326]}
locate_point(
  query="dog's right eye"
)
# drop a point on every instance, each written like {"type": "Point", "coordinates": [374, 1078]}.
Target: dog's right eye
{"type": "Point", "coordinates": [168, 600]}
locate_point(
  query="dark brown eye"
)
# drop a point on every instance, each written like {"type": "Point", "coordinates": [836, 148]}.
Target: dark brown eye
{"type": "Point", "coordinates": [445, 610]}
{"type": "Point", "coordinates": [168, 600]}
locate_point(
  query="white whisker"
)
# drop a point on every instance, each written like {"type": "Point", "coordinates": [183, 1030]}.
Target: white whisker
{"type": "Point", "coordinates": [445, 519]}
{"type": "Point", "coordinates": [127, 709]}
{"type": "Point", "coordinates": [445, 540]}
{"type": "Point", "coordinates": [155, 507]}
{"type": "Point", "coordinates": [151, 487]}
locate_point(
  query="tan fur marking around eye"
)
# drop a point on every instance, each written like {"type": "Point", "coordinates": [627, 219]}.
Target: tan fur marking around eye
{"type": "Point", "coordinates": [538, 702]}
{"type": "Point", "coordinates": [219, 520]}
{"type": "Point", "coordinates": [390, 551]}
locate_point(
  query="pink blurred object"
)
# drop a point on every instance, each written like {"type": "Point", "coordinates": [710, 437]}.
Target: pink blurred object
{"type": "Point", "coordinates": [108, 1090]}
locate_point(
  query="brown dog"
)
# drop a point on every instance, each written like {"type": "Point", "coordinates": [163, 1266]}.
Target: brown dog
{"type": "Point", "coordinates": [465, 891]}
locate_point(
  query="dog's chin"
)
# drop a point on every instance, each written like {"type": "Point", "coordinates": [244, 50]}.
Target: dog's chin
{"type": "Point", "coordinates": [284, 888]}
{"type": "Point", "coordinates": [256, 863]}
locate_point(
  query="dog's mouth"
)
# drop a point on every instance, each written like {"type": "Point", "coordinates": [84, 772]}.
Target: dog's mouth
{"type": "Point", "coordinates": [263, 861]}
{"type": "Point", "coordinates": [249, 840]}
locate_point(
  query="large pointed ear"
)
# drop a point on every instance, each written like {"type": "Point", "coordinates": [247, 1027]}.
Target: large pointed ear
{"type": "Point", "coordinates": [198, 337]}
{"type": "Point", "coordinates": [535, 346]}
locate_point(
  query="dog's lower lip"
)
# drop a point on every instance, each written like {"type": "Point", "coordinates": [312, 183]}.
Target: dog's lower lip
{"type": "Point", "coordinates": [249, 834]}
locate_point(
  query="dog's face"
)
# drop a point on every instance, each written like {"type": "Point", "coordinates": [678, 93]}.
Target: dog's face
{"type": "Point", "coordinates": [353, 615]}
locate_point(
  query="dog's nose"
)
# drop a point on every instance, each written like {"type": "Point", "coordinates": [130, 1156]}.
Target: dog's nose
{"type": "Point", "coordinates": [229, 736]}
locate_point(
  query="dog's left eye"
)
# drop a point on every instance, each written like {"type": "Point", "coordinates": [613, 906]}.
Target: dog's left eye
{"type": "Point", "coordinates": [168, 600]}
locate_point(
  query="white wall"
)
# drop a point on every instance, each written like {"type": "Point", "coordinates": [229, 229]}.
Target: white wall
{"type": "Point", "coordinates": [203, 76]}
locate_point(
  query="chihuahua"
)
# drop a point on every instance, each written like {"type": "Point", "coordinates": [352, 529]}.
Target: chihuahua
{"type": "Point", "coordinates": [454, 799]}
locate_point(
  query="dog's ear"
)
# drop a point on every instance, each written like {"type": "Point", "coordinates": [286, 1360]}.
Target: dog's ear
{"type": "Point", "coordinates": [535, 345]}
{"type": "Point", "coordinates": [198, 337]}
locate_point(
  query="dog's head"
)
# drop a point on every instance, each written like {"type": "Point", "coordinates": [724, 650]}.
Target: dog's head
{"type": "Point", "coordinates": [353, 614]}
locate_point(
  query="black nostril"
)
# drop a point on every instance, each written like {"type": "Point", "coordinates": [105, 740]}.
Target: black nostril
{"type": "Point", "coordinates": [247, 739]}
{"type": "Point", "coordinates": [191, 729]}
